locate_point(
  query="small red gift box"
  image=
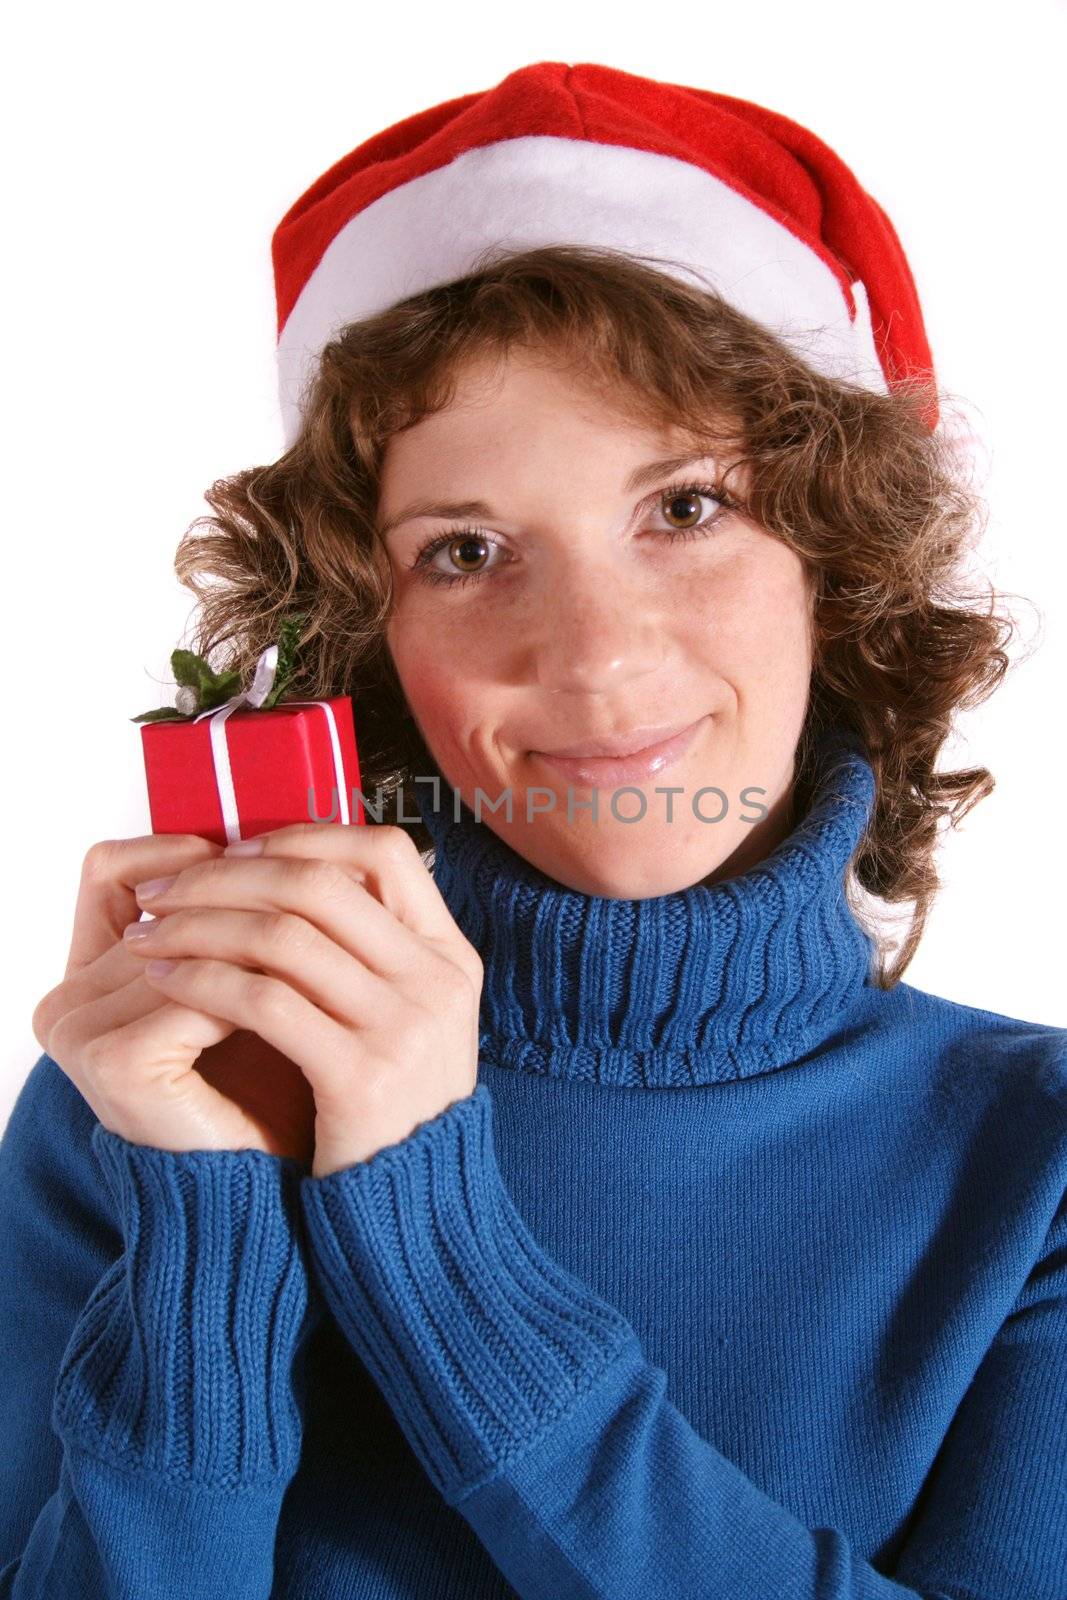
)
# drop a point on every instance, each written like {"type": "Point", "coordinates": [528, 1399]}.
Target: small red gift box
{"type": "Point", "coordinates": [239, 771]}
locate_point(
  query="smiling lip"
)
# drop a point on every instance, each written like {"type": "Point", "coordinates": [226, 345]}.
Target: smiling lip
{"type": "Point", "coordinates": [634, 767]}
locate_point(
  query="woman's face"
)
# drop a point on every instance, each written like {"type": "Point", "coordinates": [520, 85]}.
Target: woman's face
{"type": "Point", "coordinates": [583, 611]}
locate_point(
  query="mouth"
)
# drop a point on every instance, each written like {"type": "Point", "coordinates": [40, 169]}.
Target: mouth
{"type": "Point", "coordinates": [598, 770]}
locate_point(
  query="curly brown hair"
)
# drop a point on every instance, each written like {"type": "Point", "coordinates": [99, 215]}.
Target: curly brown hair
{"type": "Point", "coordinates": [875, 501]}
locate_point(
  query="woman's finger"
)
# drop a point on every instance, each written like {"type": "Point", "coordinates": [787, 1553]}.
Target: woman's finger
{"type": "Point", "coordinates": [146, 1084]}
{"type": "Point", "coordinates": [111, 867]}
{"type": "Point", "coordinates": [325, 893]}
{"type": "Point", "coordinates": [386, 858]}
{"type": "Point", "coordinates": [123, 996]}
{"type": "Point", "coordinates": [101, 1016]}
{"type": "Point", "coordinates": [267, 1006]}
{"type": "Point", "coordinates": [279, 943]}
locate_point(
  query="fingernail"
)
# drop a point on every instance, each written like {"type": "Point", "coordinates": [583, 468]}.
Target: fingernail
{"type": "Point", "coordinates": [159, 969]}
{"type": "Point", "coordinates": [139, 930]}
{"type": "Point", "coordinates": [152, 886]}
{"type": "Point", "coordinates": [244, 847]}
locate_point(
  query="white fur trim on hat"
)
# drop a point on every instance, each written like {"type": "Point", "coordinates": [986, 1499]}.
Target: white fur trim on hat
{"type": "Point", "coordinates": [537, 190]}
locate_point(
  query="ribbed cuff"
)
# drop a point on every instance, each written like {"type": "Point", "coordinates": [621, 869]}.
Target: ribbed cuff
{"type": "Point", "coordinates": [477, 1339]}
{"type": "Point", "coordinates": [181, 1362]}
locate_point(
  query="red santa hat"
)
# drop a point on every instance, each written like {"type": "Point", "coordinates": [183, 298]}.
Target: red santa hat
{"type": "Point", "coordinates": [720, 192]}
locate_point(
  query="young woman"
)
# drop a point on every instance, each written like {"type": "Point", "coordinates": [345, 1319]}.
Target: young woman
{"type": "Point", "coordinates": [597, 1213]}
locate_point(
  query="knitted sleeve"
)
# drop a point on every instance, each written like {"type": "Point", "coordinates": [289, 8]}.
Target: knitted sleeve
{"type": "Point", "coordinates": [173, 1405]}
{"type": "Point", "coordinates": [529, 1403]}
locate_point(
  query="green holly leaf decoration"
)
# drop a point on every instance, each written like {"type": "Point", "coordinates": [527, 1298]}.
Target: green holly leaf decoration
{"type": "Point", "coordinates": [200, 688]}
{"type": "Point", "coordinates": [191, 671]}
{"type": "Point", "coordinates": [161, 714]}
{"type": "Point", "coordinates": [288, 635]}
{"type": "Point", "coordinates": [219, 690]}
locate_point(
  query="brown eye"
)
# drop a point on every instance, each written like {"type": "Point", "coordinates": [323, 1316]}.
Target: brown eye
{"type": "Point", "coordinates": [684, 505]}
{"type": "Point", "coordinates": [468, 549]}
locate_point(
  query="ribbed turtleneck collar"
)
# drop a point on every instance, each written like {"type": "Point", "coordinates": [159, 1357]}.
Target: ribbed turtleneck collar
{"type": "Point", "coordinates": [697, 986]}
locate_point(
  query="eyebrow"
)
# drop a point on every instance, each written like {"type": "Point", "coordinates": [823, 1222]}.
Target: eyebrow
{"type": "Point", "coordinates": [640, 478]}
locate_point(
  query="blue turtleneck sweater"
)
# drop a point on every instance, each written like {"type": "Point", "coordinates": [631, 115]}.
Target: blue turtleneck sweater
{"type": "Point", "coordinates": [736, 1277]}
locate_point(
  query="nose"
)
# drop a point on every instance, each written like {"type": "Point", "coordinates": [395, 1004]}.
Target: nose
{"type": "Point", "coordinates": [595, 632]}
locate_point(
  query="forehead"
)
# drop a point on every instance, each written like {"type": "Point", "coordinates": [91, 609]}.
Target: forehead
{"type": "Point", "coordinates": [519, 395]}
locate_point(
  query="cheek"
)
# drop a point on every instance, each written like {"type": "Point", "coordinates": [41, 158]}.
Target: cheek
{"type": "Point", "coordinates": [747, 635]}
{"type": "Point", "coordinates": [449, 653]}
{"type": "Point", "coordinates": [757, 614]}
{"type": "Point", "coordinates": [436, 672]}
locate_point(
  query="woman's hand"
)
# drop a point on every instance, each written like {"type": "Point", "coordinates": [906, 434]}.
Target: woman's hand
{"type": "Point", "coordinates": [153, 1070]}
{"type": "Point", "coordinates": [334, 946]}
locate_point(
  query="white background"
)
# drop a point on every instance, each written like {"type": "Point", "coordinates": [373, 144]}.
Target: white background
{"type": "Point", "coordinates": [149, 154]}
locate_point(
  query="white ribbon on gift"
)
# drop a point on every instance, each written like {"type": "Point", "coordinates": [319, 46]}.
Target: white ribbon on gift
{"type": "Point", "coordinates": [262, 682]}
